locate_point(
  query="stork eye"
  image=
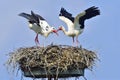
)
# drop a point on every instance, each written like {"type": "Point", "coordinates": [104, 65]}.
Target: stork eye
{"type": "Point", "coordinates": [41, 22]}
{"type": "Point", "coordinates": [46, 29]}
{"type": "Point", "coordinates": [46, 26]}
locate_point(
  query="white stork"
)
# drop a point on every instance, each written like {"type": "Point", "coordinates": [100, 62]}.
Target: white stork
{"type": "Point", "coordinates": [38, 24]}
{"type": "Point", "coordinates": [76, 24]}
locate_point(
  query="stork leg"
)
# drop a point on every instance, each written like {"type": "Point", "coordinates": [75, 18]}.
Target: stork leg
{"type": "Point", "coordinates": [77, 41]}
{"type": "Point", "coordinates": [73, 40]}
{"type": "Point", "coordinates": [36, 40]}
{"type": "Point", "coordinates": [49, 77]}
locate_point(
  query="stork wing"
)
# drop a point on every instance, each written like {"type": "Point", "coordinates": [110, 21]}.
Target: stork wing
{"type": "Point", "coordinates": [66, 17]}
{"type": "Point", "coordinates": [40, 17]}
{"type": "Point", "coordinates": [41, 21]}
{"type": "Point", "coordinates": [87, 14]}
{"type": "Point", "coordinates": [27, 16]}
{"type": "Point", "coordinates": [37, 17]}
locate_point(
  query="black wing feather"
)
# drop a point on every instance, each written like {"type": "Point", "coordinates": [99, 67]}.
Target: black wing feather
{"type": "Point", "coordinates": [32, 18]}
{"type": "Point", "coordinates": [89, 13]}
{"type": "Point", "coordinates": [40, 17]}
{"type": "Point", "coordinates": [25, 15]}
{"type": "Point", "coordinates": [36, 19]}
{"type": "Point", "coordinates": [66, 14]}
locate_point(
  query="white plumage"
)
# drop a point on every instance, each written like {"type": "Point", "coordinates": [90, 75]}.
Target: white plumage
{"type": "Point", "coordinates": [76, 24]}
{"type": "Point", "coordinates": [38, 24]}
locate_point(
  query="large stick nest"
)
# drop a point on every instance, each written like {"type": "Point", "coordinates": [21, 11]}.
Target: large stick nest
{"type": "Point", "coordinates": [52, 58]}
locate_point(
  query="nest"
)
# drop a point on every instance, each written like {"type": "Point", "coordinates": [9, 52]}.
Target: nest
{"type": "Point", "coordinates": [53, 60]}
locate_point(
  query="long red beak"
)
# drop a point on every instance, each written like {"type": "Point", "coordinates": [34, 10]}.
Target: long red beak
{"type": "Point", "coordinates": [55, 31]}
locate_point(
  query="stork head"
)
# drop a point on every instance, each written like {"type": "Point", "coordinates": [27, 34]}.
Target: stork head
{"type": "Point", "coordinates": [54, 30]}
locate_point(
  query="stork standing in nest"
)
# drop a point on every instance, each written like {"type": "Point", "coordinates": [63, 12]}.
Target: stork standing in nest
{"type": "Point", "coordinates": [39, 25]}
{"type": "Point", "coordinates": [76, 24]}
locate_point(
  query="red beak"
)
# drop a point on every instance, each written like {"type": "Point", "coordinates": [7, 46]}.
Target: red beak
{"type": "Point", "coordinates": [55, 31]}
{"type": "Point", "coordinates": [60, 28]}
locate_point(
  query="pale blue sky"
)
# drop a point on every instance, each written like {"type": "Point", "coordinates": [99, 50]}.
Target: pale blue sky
{"type": "Point", "coordinates": [101, 34]}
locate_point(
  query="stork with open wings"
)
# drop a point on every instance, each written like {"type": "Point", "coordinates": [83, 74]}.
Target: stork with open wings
{"type": "Point", "coordinates": [76, 24]}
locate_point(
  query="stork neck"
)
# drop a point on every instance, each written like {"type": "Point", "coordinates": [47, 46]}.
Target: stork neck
{"type": "Point", "coordinates": [65, 32]}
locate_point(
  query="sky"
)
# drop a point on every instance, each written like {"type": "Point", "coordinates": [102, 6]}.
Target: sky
{"type": "Point", "coordinates": [101, 33]}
